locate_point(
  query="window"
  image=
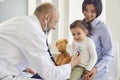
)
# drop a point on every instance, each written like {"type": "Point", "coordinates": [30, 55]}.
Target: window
{"type": "Point", "coordinates": [46, 1]}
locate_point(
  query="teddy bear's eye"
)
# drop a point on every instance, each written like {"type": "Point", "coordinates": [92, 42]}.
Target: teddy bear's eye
{"type": "Point", "coordinates": [60, 43]}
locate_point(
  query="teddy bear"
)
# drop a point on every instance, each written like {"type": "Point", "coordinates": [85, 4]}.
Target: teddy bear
{"type": "Point", "coordinates": [63, 57]}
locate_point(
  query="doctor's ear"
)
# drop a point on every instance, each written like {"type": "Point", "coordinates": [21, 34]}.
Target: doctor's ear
{"type": "Point", "coordinates": [45, 21]}
{"type": "Point", "coordinates": [47, 17]}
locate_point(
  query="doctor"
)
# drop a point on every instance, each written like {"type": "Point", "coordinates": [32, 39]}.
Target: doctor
{"type": "Point", "coordinates": [23, 45]}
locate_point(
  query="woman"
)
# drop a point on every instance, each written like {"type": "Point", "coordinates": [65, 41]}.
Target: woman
{"type": "Point", "coordinates": [101, 35]}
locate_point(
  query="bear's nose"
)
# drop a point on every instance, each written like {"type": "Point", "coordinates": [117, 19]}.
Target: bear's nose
{"type": "Point", "coordinates": [61, 45]}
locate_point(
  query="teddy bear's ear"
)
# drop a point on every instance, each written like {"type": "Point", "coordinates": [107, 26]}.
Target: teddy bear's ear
{"type": "Point", "coordinates": [66, 41]}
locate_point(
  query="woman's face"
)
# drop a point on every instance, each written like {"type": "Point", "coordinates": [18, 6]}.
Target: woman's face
{"type": "Point", "coordinates": [89, 12]}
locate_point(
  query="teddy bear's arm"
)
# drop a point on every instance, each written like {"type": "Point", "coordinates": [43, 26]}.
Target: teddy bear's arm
{"type": "Point", "coordinates": [66, 60]}
{"type": "Point", "coordinates": [58, 59]}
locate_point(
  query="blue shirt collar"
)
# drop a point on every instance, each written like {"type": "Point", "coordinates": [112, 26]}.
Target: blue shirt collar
{"type": "Point", "coordinates": [95, 22]}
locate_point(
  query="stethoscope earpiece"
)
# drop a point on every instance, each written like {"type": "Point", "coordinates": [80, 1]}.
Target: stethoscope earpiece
{"type": "Point", "coordinates": [46, 27]}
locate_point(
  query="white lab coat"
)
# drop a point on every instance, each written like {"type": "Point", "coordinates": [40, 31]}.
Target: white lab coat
{"type": "Point", "coordinates": [23, 44]}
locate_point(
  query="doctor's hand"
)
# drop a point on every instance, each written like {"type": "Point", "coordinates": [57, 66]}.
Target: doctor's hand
{"type": "Point", "coordinates": [75, 60]}
{"type": "Point", "coordinates": [29, 71]}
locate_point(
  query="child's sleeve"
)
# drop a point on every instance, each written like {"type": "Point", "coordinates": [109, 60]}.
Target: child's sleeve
{"type": "Point", "coordinates": [93, 55]}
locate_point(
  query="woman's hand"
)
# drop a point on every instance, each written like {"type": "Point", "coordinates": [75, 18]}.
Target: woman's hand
{"type": "Point", "coordinates": [90, 75]}
{"type": "Point", "coordinates": [85, 75]}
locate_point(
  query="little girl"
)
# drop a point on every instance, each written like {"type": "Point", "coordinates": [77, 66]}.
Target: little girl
{"type": "Point", "coordinates": [83, 44]}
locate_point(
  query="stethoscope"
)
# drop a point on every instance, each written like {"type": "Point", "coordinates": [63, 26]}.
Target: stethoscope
{"type": "Point", "coordinates": [46, 27]}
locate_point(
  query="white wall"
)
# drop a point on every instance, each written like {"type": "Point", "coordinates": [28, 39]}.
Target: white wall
{"type": "Point", "coordinates": [12, 8]}
{"type": "Point", "coordinates": [113, 19]}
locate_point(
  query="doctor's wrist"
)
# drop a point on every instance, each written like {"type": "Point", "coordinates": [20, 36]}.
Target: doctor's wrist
{"type": "Point", "coordinates": [72, 64]}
